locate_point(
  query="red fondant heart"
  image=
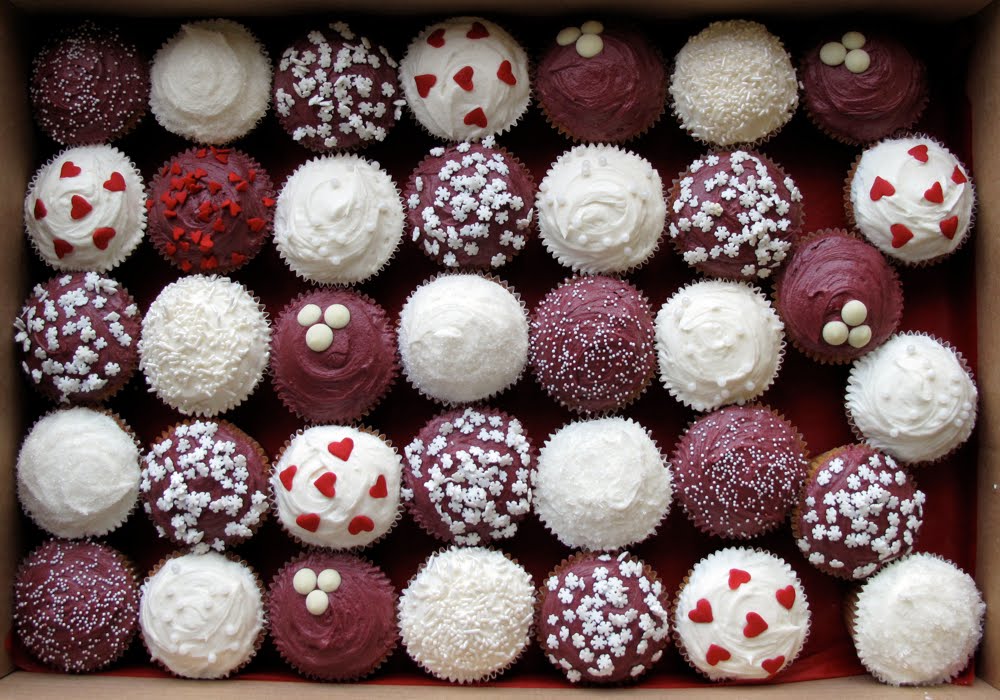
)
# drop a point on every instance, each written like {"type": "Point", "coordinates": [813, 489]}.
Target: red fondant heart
{"type": "Point", "coordinates": [436, 38]}
{"type": "Point", "coordinates": [256, 224]}
{"type": "Point", "coordinates": [186, 265]}
{"type": "Point", "coordinates": [478, 31]}
{"type": "Point", "coordinates": [900, 235]}
{"type": "Point", "coordinates": [786, 597]}
{"type": "Point", "coordinates": [774, 665]}
{"type": "Point", "coordinates": [102, 236]}
{"type": "Point", "coordinates": [287, 475]}
{"type": "Point", "coordinates": [237, 258]}
{"type": "Point", "coordinates": [115, 183]}
{"type": "Point", "coordinates": [360, 523]}
{"type": "Point", "coordinates": [505, 73]}
{"type": "Point", "coordinates": [62, 248]}
{"type": "Point", "coordinates": [737, 577]}
{"type": "Point", "coordinates": [755, 625]}
{"type": "Point", "coordinates": [424, 83]}
{"type": "Point", "coordinates": [379, 490]}
{"type": "Point", "coordinates": [934, 193]}
{"type": "Point", "coordinates": [209, 263]}
{"type": "Point", "coordinates": [476, 117]}
{"type": "Point", "coordinates": [69, 169]}
{"type": "Point", "coordinates": [40, 210]}
{"type": "Point", "coordinates": [342, 449]}
{"type": "Point", "coordinates": [80, 207]}
{"type": "Point", "coordinates": [715, 654]}
{"type": "Point", "coordinates": [702, 612]}
{"type": "Point", "coordinates": [881, 188]}
{"type": "Point", "coordinates": [324, 484]}
{"type": "Point", "coordinates": [464, 78]}
{"type": "Point", "coordinates": [949, 227]}
{"type": "Point", "coordinates": [308, 521]}
{"type": "Point", "coordinates": [957, 176]}
{"type": "Point", "coordinates": [179, 232]}
{"type": "Point", "coordinates": [919, 152]}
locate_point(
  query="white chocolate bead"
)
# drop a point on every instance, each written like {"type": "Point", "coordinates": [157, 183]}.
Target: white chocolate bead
{"type": "Point", "coordinates": [309, 314]}
{"type": "Point", "coordinates": [853, 40]}
{"type": "Point", "coordinates": [337, 316]}
{"type": "Point", "coordinates": [304, 581]}
{"type": "Point", "coordinates": [319, 337]}
{"type": "Point", "coordinates": [317, 602]}
{"type": "Point", "coordinates": [589, 45]}
{"type": "Point", "coordinates": [854, 312]}
{"type": "Point", "coordinates": [568, 35]}
{"type": "Point", "coordinates": [328, 580]}
{"type": "Point", "coordinates": [860, 336]}
{"type": "Point", "coordinates": [835, 332]}
{"type": "Point", "coordinates": [857, 61]}
{"type": "Point", "coordinates": [592, 27]}
{"type": "Point", "coordinates": [832, 54]}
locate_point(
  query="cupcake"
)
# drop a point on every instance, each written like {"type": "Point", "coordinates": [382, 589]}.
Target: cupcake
{"type": "Point", "coordinates": [733, 83]}
{"type": "Point", "coordinates": [333, 355]}
{"type": "Point", "coordinates": [467, 614]}
{"type": "Point", "coordinates": [463, 338]}
{"type": "Point", "coordinates": [210, 209]}
{"type": "Point", "coordinates": [603, 618]}
{"type": "Point", "coordinates": [917, 622]}
{"type": "Point", "coordinates": [83, 210]}
{"type": "Point", "coordinates": [913, 398]}
{"type": "Point", "coordinates": [838, 297]}
{"type": "Point", "coordinates": [601, 84]}
{"type": "Point", "coordinates": [88, 85]}
{"type": "Point", "coordinates": [718, 343]}
{"type": "Point", "coordinates": [211, 82]}
{"type": "Point", "coordinates": [204, 345]}
{"type": "Point", "coordinates": [912, 198]}
{"type": "Point", "coordinates": [859, 87]}
{"type": "Point", "coordinates": [470, 205]}
{"type": "Point", "coordinates": [338, 220]}
{"type": "Point", "coordinates": [202, 615]}
{"type": "Point", "coordinates": [334, 90]}
{"type": "Point", "coordinates": [78, 473]}
{"type": "Point", "coordinates": [76, 605]}
{"type": "Point", "coordinates": [204, 485]}
{"type": "Point", "coordinates": [592, 344]}
{"type": "Point", "coordinates": [601, 209]}
{"type": "Point", "coordinates": [465, 78]}
{"type": "Point", "coordinates": [337, 487]}
{"type": "Point", "coordinates": [78, 337]}
{"type": "Point", "coordinates": [739, 471]}
{"type": "Point", "coordinates": [467, 477]}
{"type": "Point", "coordinates": [332, 617]}
{"type": "Point", "coordinates": [602, 484]}
{"type": "Point", "coordinates": [734, 214]}
{"type": "Point", "coordinates": [857, 512]}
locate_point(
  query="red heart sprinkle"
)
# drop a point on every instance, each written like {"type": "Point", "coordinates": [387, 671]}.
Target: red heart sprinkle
{"type": "Point", "coordinates": [464, 78]}
{"type": "Point", "coordinates": [219, 225]}
{"type": "Point", "coordinates": [185, 246]}
{"type": "Point", "coordinates": [919, 152]}
{"type": "Point", "coordinates": [881, 188]}
{"type": "Point", "coordinates": [206, 244]}
{"type": "Point", "coordinates": [702, 612]}
{"type": "Point", "coordinates": [786, 597]}
{"type": "Point", "coordinates": [195, 235]}
{"type": "Point", "coordinates": [949, 227]}
{"type": "Point", "coordinates": [755, 625]}
{"type": "Point", "coordinates": [436, 38]}
{"type": "Point", "coordinates": [40, 210]}
{"type": "Point", "coordinates": [308, 521]}
{"type": "Point", "coordinates": [900, 235]}
{"type": "Point", "coordinates": [774, 665]}
{"type": "Point", "coordinates": [505, 73]}
{"type": "Point", "coordinates": [170, 248]}
{"type": "Point", "coordinates": [424, 83]}
{"type": "Point", "coordinates": [478, 31]}
{"type": "Point", "coordinates": [267, 201]}
{"type": "Point", "coordinates": [256, 223]}
{"type": "Point", "coordinates": [186, 265]}
{"type": "Point", "coordinates": [179, 232]}
{"type": "Point", "coordinates": [115, 183]}
{"type": "Point", "coordinates": [63, 248]}
{"type": "Point", "coordinates": [737, 577]}
{"type": "Point", "coordinates": [934, 193]}
{"type": "Point", "coordinates": [175, 168]}
{"type": "Point", "coordinates": [234, 177]}
{"type": "Point", "coordinates": [287, 475]}
{"type": "Point", "coordinates": [324, 484]}
{"type": "Point", "coordinates": [360, 523]}
{"type": "Point", "coordinates": [379, 490]}
{"type": "Point", "coordinates": [342, 449]}
{"type": "Point", "coordinates": [199, 173]}
{"type": "Point", "coordinates": [234, 208]}
{"type": "Point", "coordinates": [957, 176]}
{"type": "Point", "coordinates": [237, 258]}
{"type": "Point", "coordinates": [209, 263]}
{"type": "Point", "coordinates": [169, 214]}
{"type": "Point", "coordinates": [69, 169]}
{"type": "Point", "coordinates": [181, 196]}
{"type": "Point", "coordinates": [715, 654]}
{"type": "Point", "coordinates": [214, 187]}
{"type": "Point", "coordinates": [476, 117]}
{"type": "Point", "coordinates": [80, 207]}
{"type": "Point", "coordinates": [102, 236]}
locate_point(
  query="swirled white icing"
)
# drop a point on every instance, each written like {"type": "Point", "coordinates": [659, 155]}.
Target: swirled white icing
{"type": "Point", "coordinates": [463, 338]}
{"type": "Point", "coordinates": [205, 344]}
{"type": "Point", "coordinates": [78, 473]}
{"type": "Point", "coordinates": [210, 82]}
{"type": "Point", "coordinates": [84, 209]}
{"type": "Point", "coordinates": [201, 615]}
{"type": "Point", "coordinates": [465, 78]}
{"type": "Point", "coordinates": [467, 613]}
{"type": "Point", "coordinates": [601, 209]}
{"type": "Point", "coordinates": [913, 398]}
{"type": "Point", "coordinates": [718, 343]}
{"type": "Point", "coordinates": [337, 486]}
{"type": "Point", "coordinates": [338, 219]}
{"type": "Point", "coordinates": [602, 484]}
{"type": "Point", "coordinates": [912, 198]}
{"type": "Point", "coordinates": [737, 584]}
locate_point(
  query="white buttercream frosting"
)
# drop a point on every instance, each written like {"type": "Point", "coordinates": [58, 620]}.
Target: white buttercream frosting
{"type": "Point", "coordinates": [337, 487]}
{"type": "Point", "coordinates": [465, 78]}
{"type": "Point", "coordinates": [205, 344]}
{"type": "Point", "coordinates": [745, 592]}
{"type": "Point", "coordinates": [78, 473]}
{"type": "Point", "coordinates": [338, 219]}
{"type": "Point", "coordinates": [918, 621]}
{"type": "Point", "coordinates": [210, 82]}
{"type": "Point", "coordinates": [602, 484]}
{"type": "Point", "coordinates": [913, 398]}
{"type": "Point", "coordinates": [201, 615]}
{"type": "Point", "coordinates": [718, 343]}
{"type": "Point", "coordinates": [601, 209]}
{"type": "Point", "coordinates": [912, 198]}
{"type": "Point", "coordinates": [462, 338]}
{"type": "Point", "coordinates": [84, 209]}
{"type": "Point", "coordinates": [467, 614]}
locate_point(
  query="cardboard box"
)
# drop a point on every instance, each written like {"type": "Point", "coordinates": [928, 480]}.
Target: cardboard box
{"type": "Point", "coordinates": [15, 136]}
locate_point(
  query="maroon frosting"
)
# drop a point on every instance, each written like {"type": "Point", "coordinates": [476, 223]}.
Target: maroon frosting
{"type": "Point", "coordinates": [858, 511]}
{"type": "Point", "coordinates": [352, 636]}
{"type": "Point", "coordinates": [78, 335]}
{"type": "Point", "coordinates": [826, 271]}
{"type": "Point", "coordinates": [592, 346]}
{"type": "Point", "coordinates": [347, 379]}
{"type": "Point", "coordinates": [739, 470]}
{"type": "Point", "coordinates": [470, 205]}
{"type": "Point", "coordinates": [862, 107]}
{"type": "Point", "coordinates": [89, 86]}
{"type": "Point", "coordinates": [221, 496]}
{"type": "Point", "coordinates": [210, 209]}
{"type": "Point", "coordinates": [467, 476]}
{"type": "Point", "coordinates": [76, 604]}
{"type": "Point", "coordinates": [611, 97]}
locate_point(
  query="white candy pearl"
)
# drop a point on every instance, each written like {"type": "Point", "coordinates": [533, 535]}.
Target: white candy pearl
{"type": "Point", "coordinates": [337, 316]}
{"type": "Point", "coordinates": [589, 45]}
{"type": "Point", "coordinates": [328, 580]}
{"type": "Point", "coordinates": [309, 314]}
{"type": "Point", "coordinates": [860, 336]}
{"type": "Point", "coordinates": [832, 54]}
{"type": "Point", "coordinates": [304, 581]}
{"type": "Point", "coordinates": [854, 312]}
{"type": "Point", "coordinates": [853, 40]}
{"type": "Point", "coordinates": [317, 602]}
{"type": "Point", "coordinates": [568, 36]}
{"type": "Point", "coordinates": [835, 332]}
{"type": "Point", "coordinates": [857, 61]}
{"type": "Point", "coordinates": [319, 337]}
{"type": "Point", "coordinates": [592, 27]}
